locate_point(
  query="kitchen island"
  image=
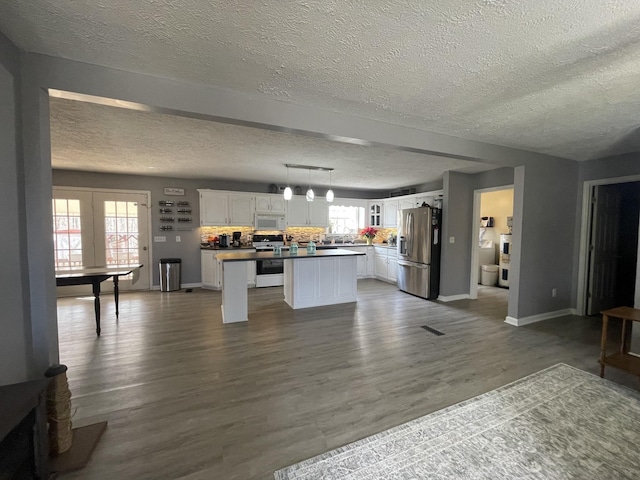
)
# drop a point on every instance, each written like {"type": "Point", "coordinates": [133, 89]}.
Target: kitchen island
{"type": "Point", "coordinates": [327, 277]}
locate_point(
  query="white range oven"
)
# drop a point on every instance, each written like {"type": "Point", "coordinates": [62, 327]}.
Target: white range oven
{"type": "Point", "coordinates": [269, 272]}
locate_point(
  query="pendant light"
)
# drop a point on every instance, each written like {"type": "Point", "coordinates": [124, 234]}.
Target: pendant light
{"type": "Point", "coordinates": [329, 192]}
{"type": "Point", "coordinates": [310, 194]}
{"type": "Point", "coordinates": [287, 191]}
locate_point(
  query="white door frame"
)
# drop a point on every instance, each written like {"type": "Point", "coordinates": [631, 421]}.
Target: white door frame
{"type": "Point", "coordinates": [477, 194]}
{"type": "Point", "coordinates": [587, 194]}
{"type": "Point", "coordinates": [147, 193]}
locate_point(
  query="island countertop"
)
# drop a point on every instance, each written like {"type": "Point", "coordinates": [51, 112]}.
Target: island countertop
{"type": "Point", "coordinates": [302, 253]}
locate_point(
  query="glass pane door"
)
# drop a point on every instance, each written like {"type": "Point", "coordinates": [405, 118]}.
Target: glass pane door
{"type": "Point", "coordinates": [121, 233]}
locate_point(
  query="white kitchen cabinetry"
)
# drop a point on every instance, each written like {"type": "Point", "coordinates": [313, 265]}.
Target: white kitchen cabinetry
{"type": "Point", "coordinates": [241, 208]}
{"type": "Point", "coordinates": [214, 208]}
{"type": "Point", "coordinates": [222, 208]}
{"type": "Point", "coordinates": [386, 264]}
{"type": "Point", "coordinates": [405, 203]}
{"type": "Point", "coordinates": [392, 265]}
{"type": "Point", "coordinates": [301, 213]}
{"type": "Point", "coordinates": [375, 214]}
{"type": "Point", "coordinates": [270, 204]}
{"type": "Point", "coordinates": [211, 269]}
{"type": "Point", "coordinates": [362, 267]}
{"type": "Point", "coordinates": [390, 214]}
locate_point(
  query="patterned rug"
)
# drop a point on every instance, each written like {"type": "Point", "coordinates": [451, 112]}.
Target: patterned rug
{"type": "Point", "coordinates": [558, 423]}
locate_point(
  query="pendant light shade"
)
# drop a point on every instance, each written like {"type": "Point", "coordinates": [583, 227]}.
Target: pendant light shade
{"type": "Point", "coordinates": [329, 196]}
{"type": "Point", "coordinates": [288, 193]}
{"type": "Point", "coordinates": [329, 192]}
{"type": "Point", "coordinates": [310, 194]}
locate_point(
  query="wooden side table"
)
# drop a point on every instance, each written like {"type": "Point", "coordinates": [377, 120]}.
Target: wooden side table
{"type": "Point", "coordinates": [621, 359]}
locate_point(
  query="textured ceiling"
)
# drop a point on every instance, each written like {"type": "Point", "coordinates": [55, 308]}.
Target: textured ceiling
{"type": "Point", "coordinates": [552, 76]}
{"type": "Point", "coordinates": [87, 136]}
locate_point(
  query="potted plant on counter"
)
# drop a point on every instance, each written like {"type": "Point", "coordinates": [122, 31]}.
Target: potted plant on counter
{"type": "Point", "coordinates": [368, 234]}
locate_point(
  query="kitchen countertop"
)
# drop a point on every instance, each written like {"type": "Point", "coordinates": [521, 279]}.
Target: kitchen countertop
{"type": "Point", "coordinates": [318, 246]}
{"type": "Point", "coordinates": [302, 253]}
{"type": "Point", "coordinates": [227, 249]}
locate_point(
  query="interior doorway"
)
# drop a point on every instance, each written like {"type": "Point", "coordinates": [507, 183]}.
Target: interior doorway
{"type": "Point", "coordinates": [612, 256]}
{"type": "Point", "coordinates": [492, 208]}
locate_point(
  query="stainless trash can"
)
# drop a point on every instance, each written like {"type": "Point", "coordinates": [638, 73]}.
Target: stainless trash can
{"type": "Point", "coordinates": [170, 275]}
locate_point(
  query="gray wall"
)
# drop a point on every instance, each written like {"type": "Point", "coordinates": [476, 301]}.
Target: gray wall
{"type": "Point", "coordinates": [548, 184]}
{"type": "Point", "coordinates": [458, 222]}
{"type": "Point", "coordinates": [457, 209]}
{"type": "Point", "coordinates": [15, 338]}
{"type": "Point", "coordinates": [549, 194]}
{"type": "Point", "coordinates": [627, 165]}
{"type": "Point", "coordinates": [189, 247]}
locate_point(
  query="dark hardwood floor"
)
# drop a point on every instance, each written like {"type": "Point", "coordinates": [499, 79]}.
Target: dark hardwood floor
{"type": "Point", "coordinates": [188, 397]}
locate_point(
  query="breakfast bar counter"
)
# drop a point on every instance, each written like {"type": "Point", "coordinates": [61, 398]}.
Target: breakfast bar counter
{"type": "Point", "coordinates": [326, 277]}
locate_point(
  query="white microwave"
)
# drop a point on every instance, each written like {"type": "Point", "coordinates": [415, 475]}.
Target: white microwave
{"type": "Point", "coordinates": [270, 222]}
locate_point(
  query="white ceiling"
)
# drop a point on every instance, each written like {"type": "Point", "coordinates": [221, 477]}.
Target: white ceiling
{"type": "Point", "coordinates": [92, 137]}
{"type": "Point", "coordinates": [551, 76]}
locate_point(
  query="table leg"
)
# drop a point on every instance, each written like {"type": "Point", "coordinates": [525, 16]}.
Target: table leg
{"type": "Point", "coordinates": [603, 343]}
{"type": "Point", "coordinates": [96, 304]}
{"type": "Point", "coordinates": [116, 292]}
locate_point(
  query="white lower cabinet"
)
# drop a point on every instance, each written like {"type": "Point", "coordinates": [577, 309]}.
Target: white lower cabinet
{"type": "Point", "coordinates": [361, 261]}
{"type": "Point", "coordinates": [386, 264]}
{"type": "Point", "coordinates": [380, 260]}
{"type": "Point", "coordinates": [211, 269]}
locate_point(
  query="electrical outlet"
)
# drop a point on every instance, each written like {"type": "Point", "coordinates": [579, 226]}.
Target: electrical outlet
{"type": "Point", "coordinates": [554, 292]}
{"type": "Point", "coordinates": [159, 238]}
{"type": "Point", "coordinates": [178, 238]}
{"type": "Point", "coordinates": [452, 239]}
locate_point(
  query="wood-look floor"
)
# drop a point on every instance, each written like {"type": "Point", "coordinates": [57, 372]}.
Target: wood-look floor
{"type": "Point", "coordinates": [188, 397]}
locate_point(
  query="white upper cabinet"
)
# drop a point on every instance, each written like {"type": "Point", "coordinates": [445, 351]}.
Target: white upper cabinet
{"type": "Point", "coordinates": [301, 213]}
{"type": "Point", "coordinates": [318, 213]}
{"type": "Point", "coordinates": [214, 208]}
{"type": "Point", "coordinates": [221, 208]}
{"type": "Point", "coordinates": [241, 208]}
{"type": "Point", "coordinates": [390, 214]}
{"type": "Point", "coordinates": [270, 204]}
{"type": "Point", "coordinates": [375, 214]}
{"type": "Point", "coordinates": [405, 203]}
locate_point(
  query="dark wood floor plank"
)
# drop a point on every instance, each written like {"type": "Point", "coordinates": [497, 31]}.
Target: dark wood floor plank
{"type": "Point", "coordinates": [188, 397]}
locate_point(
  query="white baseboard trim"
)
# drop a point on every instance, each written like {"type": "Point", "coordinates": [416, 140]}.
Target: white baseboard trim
{"type": "Point", "coordinates": [519, 322]}
{"type": "Point", "coordinates": [182, 286]}
{"type": "Point", "coordinates": [453, 298]}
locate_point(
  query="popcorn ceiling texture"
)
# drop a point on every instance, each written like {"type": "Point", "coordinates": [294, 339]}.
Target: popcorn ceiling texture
{"type": "Point", "coordinates": [92, 137]}
{"type": "Point", "coordinates": [554, 76]}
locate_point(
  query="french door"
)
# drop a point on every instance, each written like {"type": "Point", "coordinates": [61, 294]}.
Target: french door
{"type": "Point", "coordinates": [102, 229]}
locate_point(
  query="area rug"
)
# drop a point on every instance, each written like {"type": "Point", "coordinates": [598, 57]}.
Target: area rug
{"type": "Point", "coordinates": [558, 423]}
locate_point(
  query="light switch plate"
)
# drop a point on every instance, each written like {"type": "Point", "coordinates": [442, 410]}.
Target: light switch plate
{"type": "Point", "coordinates": [178, 238]}
{"type": "Point", "coordinates": [160, 238]}
{"type": "Point", "coordinates": [452, 239]}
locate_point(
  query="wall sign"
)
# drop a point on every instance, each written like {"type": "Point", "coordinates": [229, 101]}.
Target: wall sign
{"type": "Point", "coordinates": [173, 191]}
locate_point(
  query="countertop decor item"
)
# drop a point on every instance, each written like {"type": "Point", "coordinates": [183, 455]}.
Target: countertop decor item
{"type": "Point", "coordinates": [368, 234]}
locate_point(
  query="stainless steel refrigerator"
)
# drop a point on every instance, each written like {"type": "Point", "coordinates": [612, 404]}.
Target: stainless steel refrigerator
{"type": "Point", "coordinates": [419, 252]}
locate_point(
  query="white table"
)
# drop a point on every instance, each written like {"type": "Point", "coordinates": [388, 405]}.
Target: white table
{"type": "Point", "coordinates": [327, 277]}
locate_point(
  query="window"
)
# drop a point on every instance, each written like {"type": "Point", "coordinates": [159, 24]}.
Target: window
{"type": "Point", "coordinates": [121, 233]}
{"type": "Point", "coordinates": [67, 233]}
{"type": "Point", "coordinates": [344, 220]}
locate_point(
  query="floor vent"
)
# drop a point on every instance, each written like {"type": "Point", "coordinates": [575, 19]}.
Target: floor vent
{"type": "Point", "coordinates": [432, 330]}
